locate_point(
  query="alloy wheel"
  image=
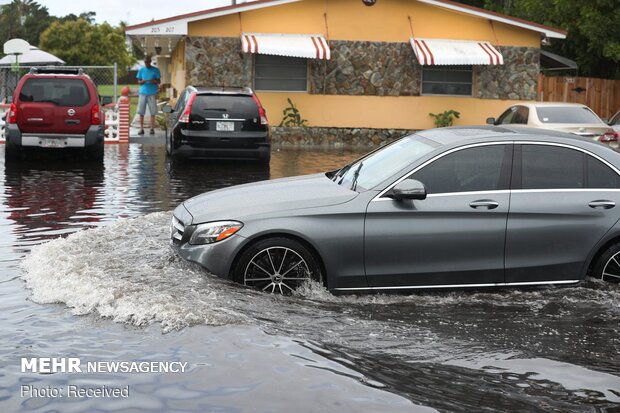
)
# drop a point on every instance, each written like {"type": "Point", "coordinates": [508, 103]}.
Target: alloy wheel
{"type": "Point", "coordinates": [611, 270]}
{"type": "Point", "coordinates": [276, 270]}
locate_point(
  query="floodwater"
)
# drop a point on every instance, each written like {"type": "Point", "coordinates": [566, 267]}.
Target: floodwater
{"type": "Point", "coordinates": [86, 272]}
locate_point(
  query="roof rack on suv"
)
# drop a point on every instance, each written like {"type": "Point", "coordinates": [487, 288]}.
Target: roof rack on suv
{"type": "Point", "coordinates": [53, 69]}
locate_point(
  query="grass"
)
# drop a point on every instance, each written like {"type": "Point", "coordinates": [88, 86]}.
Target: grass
{"type": "Point", "coordinates": [108, 90]}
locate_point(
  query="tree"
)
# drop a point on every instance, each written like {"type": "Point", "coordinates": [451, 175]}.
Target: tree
{"type": "Point", "coordinates": [24, 19]}
{"type": "Point", "coordinates": [593, 38]}
{"type": "Point", "coordinates": [81, 43]}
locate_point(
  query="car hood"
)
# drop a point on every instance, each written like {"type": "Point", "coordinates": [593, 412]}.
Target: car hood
{"type": "Point", "coordinates": [258, 198]}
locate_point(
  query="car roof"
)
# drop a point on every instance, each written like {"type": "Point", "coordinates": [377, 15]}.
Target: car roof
{"type": "Point", "coordinates": [222, 90]}
{"type": "Point", "coordinates": [457, 134]}
{"type": "Point", "coordinates": [462, 135]}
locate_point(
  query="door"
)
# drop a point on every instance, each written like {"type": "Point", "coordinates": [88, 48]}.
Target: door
{"type": "Point", "coordinates": [56, 105]}
{"type": "Point", "coordinates": [453, 237]}
{"type": "Point", "coordinates": [563, 202]}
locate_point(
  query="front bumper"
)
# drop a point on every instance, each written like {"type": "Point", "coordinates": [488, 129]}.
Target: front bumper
{"type": "Point", "coordinates": [216, 258]}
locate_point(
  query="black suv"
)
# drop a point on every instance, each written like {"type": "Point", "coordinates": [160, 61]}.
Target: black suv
{"type": "Point", "coordinates": [218, 123]}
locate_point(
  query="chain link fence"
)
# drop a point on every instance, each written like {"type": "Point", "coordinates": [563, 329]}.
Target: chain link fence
{"type": "Point", "coordinates": [105, 77]}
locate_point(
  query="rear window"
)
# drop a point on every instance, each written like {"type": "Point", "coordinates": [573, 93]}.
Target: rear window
{"type": "Point", "coordinates": [566, 115]}
{"type": "Point", "coordinates": [215, 105]}
{"type": "Point", "coordinates": [61, 92]}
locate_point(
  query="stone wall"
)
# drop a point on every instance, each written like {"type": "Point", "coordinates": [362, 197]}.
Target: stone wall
{"type": "Point", "coordinates": [337, 137]}
{"type": "Point", "coordinates": [516, 79]}
{"type": "Point", "coordinates": [217, 61]}
{"type": "Point", "coordinates": [362, 68]}
{"type": "Point", "coordinates": [367, 68]}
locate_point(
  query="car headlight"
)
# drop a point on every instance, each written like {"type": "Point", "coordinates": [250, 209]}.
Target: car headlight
{"type": "Point", "coordinates": [214, 231]}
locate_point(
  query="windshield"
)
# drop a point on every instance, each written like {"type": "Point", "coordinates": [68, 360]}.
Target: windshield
{"type": "Point", "coordinates": [62, 92]}
{"type": "Point", "coordinates": [376, 167]}
{"type": "Point", "coordinates": [566, 114]}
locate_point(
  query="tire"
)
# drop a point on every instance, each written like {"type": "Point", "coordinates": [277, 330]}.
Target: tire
{"type": "Point", "coordinates": [170, 146]}
{"type": "Point", "coordinates": [94, 152]}
{"type": "Point", "coordinates": [277, 265]}
{"type": "Point", "coordinates": [607, 266]}
{"type": "Point", "coordinates": [265, 159]}
{"type": "Point", "coordinates": [12, 152]}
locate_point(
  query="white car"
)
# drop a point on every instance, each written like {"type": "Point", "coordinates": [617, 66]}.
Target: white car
{"type": "Point", "coordinates": [565, 117]}
{"type": "Point", "coordinates": [614, 122]}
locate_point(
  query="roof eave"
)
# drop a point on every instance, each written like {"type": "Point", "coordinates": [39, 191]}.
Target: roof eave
{"type": "Point", "coordinates": [550, 32]}
{"type": "Point", "coordinates": [210, 13]}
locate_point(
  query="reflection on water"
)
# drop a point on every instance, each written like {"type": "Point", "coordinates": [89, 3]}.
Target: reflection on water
{"type": "Point", "coordinates": [548, 349]}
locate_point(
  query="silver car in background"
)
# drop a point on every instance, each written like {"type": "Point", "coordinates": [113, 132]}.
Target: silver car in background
{"type": "Point", "coordinates": [558, 116]}
{"type": "Point", "coordinates": [476, 207]}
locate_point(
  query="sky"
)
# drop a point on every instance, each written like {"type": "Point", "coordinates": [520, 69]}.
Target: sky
{"type": "Point", "coordinates": [130, 11]}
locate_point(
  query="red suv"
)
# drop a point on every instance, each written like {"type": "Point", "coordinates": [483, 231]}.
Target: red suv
{"type": "Point", "coordinates": [56, 109]}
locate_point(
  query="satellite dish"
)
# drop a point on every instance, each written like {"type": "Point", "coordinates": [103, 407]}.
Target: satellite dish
{"type": "Point", "coordinates": [16, 46]}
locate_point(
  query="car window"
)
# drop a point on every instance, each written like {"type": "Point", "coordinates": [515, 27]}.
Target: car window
{"type": "Point", "coordinates": [566, 114]}
{"type": "Point", "coordinates": [385, 162]}
{"type": "Point", "coordinates": [506, 117]}
{"type": "Point", "coordinates": [551, 167]}
{"type": "Point", "coordinates": [61, 92]}
{"type": "Point", "coordinates": [615, 120]}
{"type": "Point", "coordinates": [472, 169]}
{"type": "Point", "coordinates": [236, 106]}
{"type": "Point", "coordinates": [520, 116]}
{"type": "Point", "coordinates": [181, 101]}
{"type": "Point", "coordinates": [600, 175]}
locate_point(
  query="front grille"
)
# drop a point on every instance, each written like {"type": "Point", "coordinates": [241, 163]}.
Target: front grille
{"type": "Point", "coordinates": [176, 230]}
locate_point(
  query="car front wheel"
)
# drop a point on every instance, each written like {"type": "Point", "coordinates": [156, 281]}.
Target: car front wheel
{"type": "Point", "coordinates": [277, 265]}
{"type": "Point", "coordinates": [607, 267]}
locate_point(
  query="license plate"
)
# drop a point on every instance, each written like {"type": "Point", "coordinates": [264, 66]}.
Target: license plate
{"type": "Point", "coordinates": [225, 126]}
{"type": "Point", "coordinates": [53, 143]}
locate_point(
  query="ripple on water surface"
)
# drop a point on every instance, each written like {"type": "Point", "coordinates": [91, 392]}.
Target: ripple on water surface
{"type": "Point", "coordinates": [127, 272]}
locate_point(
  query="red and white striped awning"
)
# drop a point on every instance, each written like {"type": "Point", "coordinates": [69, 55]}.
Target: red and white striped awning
{"type": "Point", "coordinates": [311, 46]}
{"type": "Point", "coordinates": [455, 52]}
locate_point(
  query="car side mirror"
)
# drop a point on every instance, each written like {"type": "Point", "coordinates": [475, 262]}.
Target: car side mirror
{"type": "Point", "coordinates": [408, 189]}
{"type": "Point", "coordinates": [491, 121]}
{"type": "Point", "coordinates": [167, 109]}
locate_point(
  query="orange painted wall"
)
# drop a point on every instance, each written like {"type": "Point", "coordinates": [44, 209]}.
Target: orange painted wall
{"type": "Point", "coordinates": [386, 21]}
{"type": "Point", "coordinates": [402, 112]}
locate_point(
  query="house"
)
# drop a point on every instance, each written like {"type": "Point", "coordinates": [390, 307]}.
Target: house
{"type": "Point", "coordinates": [358, 70]}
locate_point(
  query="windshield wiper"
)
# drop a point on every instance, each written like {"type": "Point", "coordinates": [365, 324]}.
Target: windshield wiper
{"type": "Point", "coordinates": [340, 172]}
{"type": "Point", "coordinates": [356, 174]}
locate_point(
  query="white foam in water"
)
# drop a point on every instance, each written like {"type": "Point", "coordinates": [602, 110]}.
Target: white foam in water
{"type": "Point", "coordinates": [125, 271]}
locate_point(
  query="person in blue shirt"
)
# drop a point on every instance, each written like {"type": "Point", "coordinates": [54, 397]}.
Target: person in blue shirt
{"type": "Point", "coordinates": [148, 79]}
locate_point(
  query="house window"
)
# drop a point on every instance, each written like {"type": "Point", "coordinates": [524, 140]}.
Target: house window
{"type": "Point", "coordinates": [280, 73]}
{"type": "Point", "coordinates": [447, 80]}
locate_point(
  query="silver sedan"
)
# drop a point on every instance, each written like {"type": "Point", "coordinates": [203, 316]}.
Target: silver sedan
{"type": "Point", "coordinates": [484, 206]}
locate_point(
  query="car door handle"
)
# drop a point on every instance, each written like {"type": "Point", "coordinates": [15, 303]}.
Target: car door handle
{"type": "Point", "coordinates": [602, 204]}
{"type": "Point", "coordinates": [484, 204]}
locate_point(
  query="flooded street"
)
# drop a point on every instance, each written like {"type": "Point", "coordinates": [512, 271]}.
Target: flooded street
{"type": "Point", "coordinates": [87, 272]}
